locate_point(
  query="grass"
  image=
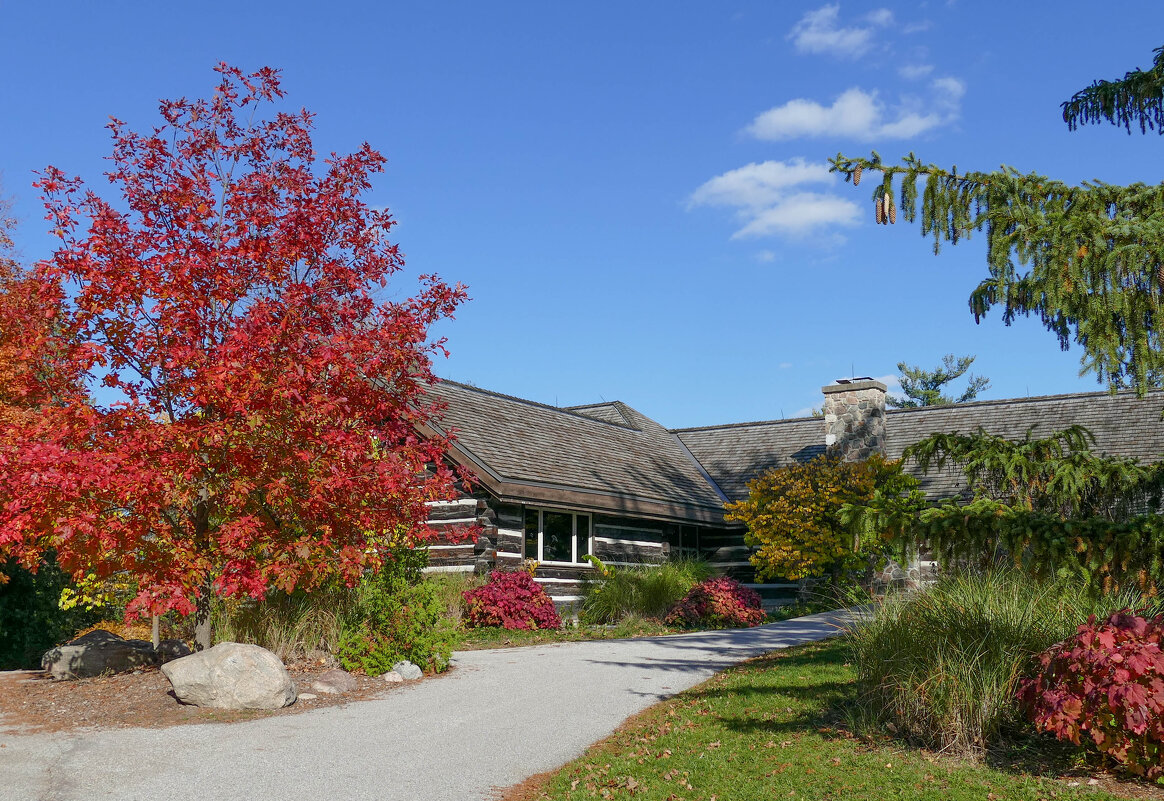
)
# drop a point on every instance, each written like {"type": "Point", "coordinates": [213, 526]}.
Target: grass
{"type": "Point", "coordinates": [770, 729]}
{"type": "Point", "coordinates": [642, 591]}
{"type": "Point", "coordinates": [292, 626]}
{"type": "Point", "coordinates": [940, 667]}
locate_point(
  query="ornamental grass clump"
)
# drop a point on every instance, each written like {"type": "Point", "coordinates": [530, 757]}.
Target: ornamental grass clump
{"type": "Point", "coordinates": [648, 592]}
{"type": "Point", "coordinates": [511, 599]}
{"type": "Point", "coordinates": [718, 603]}
{"type": "Point", "coordinates": [940, 667]}
{"type": "Point", "coordinates": [1105, 687]}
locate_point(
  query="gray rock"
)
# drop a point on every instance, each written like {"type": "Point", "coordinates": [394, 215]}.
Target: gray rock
{"type": "Point", "coordinates": [334, 682]}
{"type": "Point", "coordinates": [169, 650]}
{"type": "Point", "coordinates": [407, 670]}
{"type": "Point", "coordinates": [392, 677]}
{"type": "Point", "coordinates": [307, 696]}
{"type": "Point", "coordinates": [97, 653]}
{"type": "Point", "coordinates": [231, 675]}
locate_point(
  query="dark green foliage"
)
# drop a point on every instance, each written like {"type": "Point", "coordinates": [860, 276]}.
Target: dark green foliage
{"type": "Point", "coordinates": [924, 387]}
{"type": "Point", "coordinates": [31, 620]}
{"type": "Point", "coordinates": [1102, 553]}
{"type": "Point", "coordinates": [398, 616]}
{"type": "Point", "coordinates": [1054, 475]}
{"type": "Point", "coordinates": [1086, 260]}
{"type": "Point", "coordinates": [1137, 98]}
{"type": "Point", "coordinates": [1050, 503]}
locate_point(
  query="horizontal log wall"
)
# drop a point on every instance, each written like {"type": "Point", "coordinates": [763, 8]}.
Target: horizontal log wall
{"type": "Point", "coordinates": [636, 542]}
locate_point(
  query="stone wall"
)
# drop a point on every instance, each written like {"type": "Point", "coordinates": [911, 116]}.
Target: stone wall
{"type": "Point", "coordinates": [854, 419]}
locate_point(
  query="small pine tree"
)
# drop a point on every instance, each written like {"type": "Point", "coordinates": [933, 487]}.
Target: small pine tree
{"type": "Point", "coordinates": [924, 387]}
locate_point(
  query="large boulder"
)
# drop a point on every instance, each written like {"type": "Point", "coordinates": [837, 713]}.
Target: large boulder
{"type": "Point", "coordinates": [231, 675]}
{"type": "Point", "coordinates": [97, 653]}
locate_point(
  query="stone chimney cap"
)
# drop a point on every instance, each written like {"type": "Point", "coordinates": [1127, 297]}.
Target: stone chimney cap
{"type": "Point", "coordinates": [854, 384]}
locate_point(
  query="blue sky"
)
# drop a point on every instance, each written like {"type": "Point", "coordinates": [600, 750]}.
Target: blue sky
{"type": "Point", "coordinates": [634, 192]}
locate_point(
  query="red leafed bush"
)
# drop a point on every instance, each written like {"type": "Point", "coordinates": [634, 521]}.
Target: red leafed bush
{"type": "Point", "coordinates": [511, 599]}
{"type": "Point", "coordinates": [1107, 681]}
{"type": "Point", "coordinates": [720, 603]}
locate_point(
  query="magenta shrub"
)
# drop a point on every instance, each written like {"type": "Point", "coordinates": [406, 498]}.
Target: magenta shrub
{"type": "Point", "coordinates": [1108, 682]}
{"type": "Point", "coordinates": [720, 603]}
{"type": "Point", "coordinates": [511, 599]}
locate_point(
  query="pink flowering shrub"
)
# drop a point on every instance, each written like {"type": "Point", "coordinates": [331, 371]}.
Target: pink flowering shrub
{"type": "Point", "coordinates": [1108, 682]}
{"type": "Point", "coordinates": [511, 599]}
{"type": "Point", "coordinates": [720, 603]}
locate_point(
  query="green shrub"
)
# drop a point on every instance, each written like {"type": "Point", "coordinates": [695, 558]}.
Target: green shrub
{"type": "Point", "coordinates": [399, 615]}
{"type": "Point", "coordinates": [31, 620]}
{"type": "Point", "coordinates": [643, 591]}
{"type": "Point", "coordinates": [940, 667]}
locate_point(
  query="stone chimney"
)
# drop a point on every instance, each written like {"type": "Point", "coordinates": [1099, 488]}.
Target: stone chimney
{"type": "Point", "coordinates": [854, 418]}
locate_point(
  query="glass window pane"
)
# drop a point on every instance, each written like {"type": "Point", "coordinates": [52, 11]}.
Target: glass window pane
{"type": "Point", "coordinates": [531, 534]}
{"type": "Point", "coordinates": [557, 533]}
{"type": "Point", "coordinates": [583, 537]}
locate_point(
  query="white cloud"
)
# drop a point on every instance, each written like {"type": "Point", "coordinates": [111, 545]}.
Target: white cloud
{"type": "Point", "coordinates": [861, 115]}
{"type": "Point", "coordinates": [769, 198]}
{"type": "Point", "coordinates": [785, 365]}
{"type": "Point", "coordinates": [820, 31]}
{"type": "Point", "coordinates": [948, 92]}
{"type": "Point", "coordinates": [798, 214]}
{"type": "Point", "coordinates": [765, 257]}
{"type": "Point", "coordinates": [915, 72]}
{"type": "Point", "coordinates": [759, 184]}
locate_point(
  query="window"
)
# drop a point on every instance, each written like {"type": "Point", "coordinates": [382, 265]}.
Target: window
{"type": "Point", "coordinates": [554, 536]}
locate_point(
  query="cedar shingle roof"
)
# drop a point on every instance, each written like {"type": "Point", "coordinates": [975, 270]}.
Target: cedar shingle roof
{"type": "Point", "coordinates": [1123, 425]}
{"type": "Point", "coordinates": [735, 454]}
{"type": "Point", "coordinates": [607, 456]}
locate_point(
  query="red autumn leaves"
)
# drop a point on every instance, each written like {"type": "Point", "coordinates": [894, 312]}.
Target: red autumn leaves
{"type": "Point", "coordinates": [222, 402]}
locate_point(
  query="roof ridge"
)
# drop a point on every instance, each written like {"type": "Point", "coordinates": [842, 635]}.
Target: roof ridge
{"type": "Point", "coordinates": [568, 410]}
{"type": "Point", "coordinates": [1028, 399]}
{"type": "Point", "coordinates": [742, 425]}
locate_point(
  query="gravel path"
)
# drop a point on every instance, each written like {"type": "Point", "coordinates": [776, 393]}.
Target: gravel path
{"type": "Point", "coordinates": [500, 717]}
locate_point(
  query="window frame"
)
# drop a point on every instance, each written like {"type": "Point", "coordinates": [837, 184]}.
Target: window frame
{"type": "Point", "coordinates": [541, 512]}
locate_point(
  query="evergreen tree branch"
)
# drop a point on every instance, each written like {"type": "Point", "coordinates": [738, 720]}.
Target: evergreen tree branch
{"type": "Point", "coordinates": [1086, 260]}
{"type": "Point", "coordinates": [1137, 98]}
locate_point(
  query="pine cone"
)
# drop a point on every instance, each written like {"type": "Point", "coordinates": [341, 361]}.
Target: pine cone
{"type": "Point", "coordinates": [892, 213]}
{"type": "Point", "coordinates": [857, 175]}
{"type": "Point", "coordinates": [877, 210]}
{"type": "Point", "coordinates": [1160, 277]}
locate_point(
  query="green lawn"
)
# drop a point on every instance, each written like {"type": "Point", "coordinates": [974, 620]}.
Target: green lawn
{"type": "Point", "coordinates": [770, 729]}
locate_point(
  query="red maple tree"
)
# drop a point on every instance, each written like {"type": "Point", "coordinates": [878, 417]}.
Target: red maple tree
{"type": "Point", "coordinates": [259, 406]}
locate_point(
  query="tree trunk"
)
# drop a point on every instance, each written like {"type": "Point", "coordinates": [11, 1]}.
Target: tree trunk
{"type": "Point", "coordinates": [155, 633]}
{"type": "Point", "coordinates": [202, 631]}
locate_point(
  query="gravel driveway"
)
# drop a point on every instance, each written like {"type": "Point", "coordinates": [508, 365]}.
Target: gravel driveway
{"type": "Point", "coordinates": [499, 717]}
